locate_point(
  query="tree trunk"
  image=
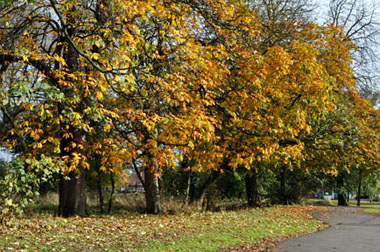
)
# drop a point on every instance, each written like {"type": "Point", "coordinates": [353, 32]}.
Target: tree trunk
{"type": "Point", "coordinates": [359, 188]}
{"type": "Point", "coordinates": [72, 195]}
{"type": "Point", "coordinates": [283, 194]}
{"type": "Point", "coordinates": [152, 192]}
{"type": "Point", "coordinates": [341, 199]}
{"type": "Point", "coordinates": [100, 193]}
{"type": "Point", "coordinates": [101, 200]}
{"type": "Point", "coordinates": [188, 185]}
{"type": "Point", "coordinates": [96, 166]}
{"type": "Point", "coordinates": [72, 191]}
{"type": "Point", "coordinates": [251, 187]}
{"type": "Point", "coordinates": [112, 192]}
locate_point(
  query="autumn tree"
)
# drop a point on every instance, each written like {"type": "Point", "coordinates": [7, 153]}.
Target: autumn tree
{"type": "Point", "coordinates": [65, 83]}
{"type": "Point", "coordinates": [278, 79]}
{"type": "Point", "coordinates": [135, 69]}
{"type": "Point", "coordinates": [359, 26]}
{"type": "Point", "coordinates": [164, 116]}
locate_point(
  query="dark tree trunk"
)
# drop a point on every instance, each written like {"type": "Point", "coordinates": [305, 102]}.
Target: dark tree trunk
{"type": "Point", "coordinates": [188, 185]}
{"type": "Point", "coordinates": [72, 195]}
{"type": "Point", "coordinates": [138, 173]}
{"type": "Point", "coordinates": [251, 188]}
{"type": "Point", "coordinates": [100, 192]}
{"type": "Point", "coordinates": [152, 192]}
{"type": "Point", "coordinates": [112, 192]}
{"type": "Point", "coordinates": [192, 189]}
{"type": "Point", "coordinates": [72, 191]}
{"type": "Point", "coordinates": [359, 188]}
{"type": "Point", "coordinates": [341, 198]}
{"type": "Point", "coordinates": [283, 193]}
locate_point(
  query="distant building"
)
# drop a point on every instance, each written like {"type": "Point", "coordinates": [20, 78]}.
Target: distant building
{"type": "Point", "coordinates": [134, 183]}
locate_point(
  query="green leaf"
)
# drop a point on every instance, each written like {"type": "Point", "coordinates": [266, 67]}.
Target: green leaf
{"type": "Point", "coordinates": [5, 210]}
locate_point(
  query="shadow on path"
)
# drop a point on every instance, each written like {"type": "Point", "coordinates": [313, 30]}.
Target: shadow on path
{"type": "Point", "coordinates": [349, 231]}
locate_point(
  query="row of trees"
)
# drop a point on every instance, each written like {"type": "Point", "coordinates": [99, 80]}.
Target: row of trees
{"type": "Point", "coordinates": [207, 86]}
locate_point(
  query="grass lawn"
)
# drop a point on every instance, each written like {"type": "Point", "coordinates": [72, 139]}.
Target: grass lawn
{"type": "Point", "coordinates": [370, 207]}
{"type": "Point", "coordinates": [363, 203]}
{"type": "Point", "coordinates": [179, 232]}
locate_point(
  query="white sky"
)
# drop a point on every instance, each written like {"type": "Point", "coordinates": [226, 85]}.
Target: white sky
{"type": "Point", "coordinates": [5, 155]}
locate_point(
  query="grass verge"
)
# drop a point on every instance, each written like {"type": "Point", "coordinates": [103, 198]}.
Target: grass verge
{"type": "Point", "coordinates": [180, 232]}
{"type": "Point", "coordinates": [369, 206]}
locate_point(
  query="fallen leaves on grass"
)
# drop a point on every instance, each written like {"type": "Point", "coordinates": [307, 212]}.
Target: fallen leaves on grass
{"type": "Point", "coordinates": [264, 245]}
{"type": "Point", "coordinates": [269, 244]}
{"type": "Point", "coordinates": [244, 230]}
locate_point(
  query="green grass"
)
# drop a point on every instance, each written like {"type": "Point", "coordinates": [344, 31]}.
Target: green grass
{"type": "Point", "coordinates": [372, 210]}
{"type": "Point", "coordinates": [370, 207]}
{"type": "Point", "coordinates": [363, 203]}
{"type": "Point", "coordinates": [179, 232]}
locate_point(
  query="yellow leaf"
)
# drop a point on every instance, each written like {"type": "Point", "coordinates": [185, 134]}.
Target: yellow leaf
{"type": "Point", "coordinates": [107, 127]}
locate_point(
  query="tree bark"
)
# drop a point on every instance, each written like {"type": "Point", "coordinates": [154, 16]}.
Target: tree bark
{"type": "Point", "coordinates": [72, 195]}
{"type": "Point", "coordinates": [341, 198]}
{"type": "Point", "coordinates": [251, 188]}
{"type": "Point", "coordinates": [283, 194]}
{"type": "Point", "coordinates": [188, 186]}
{"type": "Point", "coordinates": [359, 188]}
{"type": "Point", "coordinates": [112, 192]}
{"type": "Point", "coordinates": [152, 192]}
{"type": "Point", "coordinates": [100, 193]}
{"type": "Point", "coordinates": [72, 191]}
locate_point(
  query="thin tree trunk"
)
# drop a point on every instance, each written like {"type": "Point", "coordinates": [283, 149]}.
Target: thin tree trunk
{"type": "Point", "coordinates": [341, 198]}
{"type": "Point", "coordinates": [138, 173]}
{"type": "Point", "coordinates": [283, 193]}
{"type": "Point", "coordinates": [359, 188]}
{"type": "Point", "coordinates": [152, 192]}
{"type": "Point", "coordinates": [188, 185]}
{"type": "Point", "coordinates": [251, 188]}
{"type": "Point", "coordinates": [100, 192]}
{"type": "Point", "coordinates": [112, 192]}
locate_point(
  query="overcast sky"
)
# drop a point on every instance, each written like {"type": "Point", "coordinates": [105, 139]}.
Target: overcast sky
{"type": "Point", "coordinates": [4, 154]}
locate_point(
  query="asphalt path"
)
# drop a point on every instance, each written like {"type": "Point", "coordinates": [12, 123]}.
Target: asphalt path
{"type": "Point", "coordinates": [349, 231]}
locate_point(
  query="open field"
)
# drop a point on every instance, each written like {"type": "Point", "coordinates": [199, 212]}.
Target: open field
{"type": "Point", "coordinates": [179, 232]}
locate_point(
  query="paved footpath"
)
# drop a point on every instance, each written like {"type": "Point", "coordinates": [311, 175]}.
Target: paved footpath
{"type": "Point", "coordinates": [350, 231]}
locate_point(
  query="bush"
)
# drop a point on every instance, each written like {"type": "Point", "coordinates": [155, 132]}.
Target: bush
{"type": "Point", "coordinates": [17, 189]}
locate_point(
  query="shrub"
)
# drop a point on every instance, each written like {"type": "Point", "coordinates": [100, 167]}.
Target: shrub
{"type": "Point", "coordinates": [17, 189]}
